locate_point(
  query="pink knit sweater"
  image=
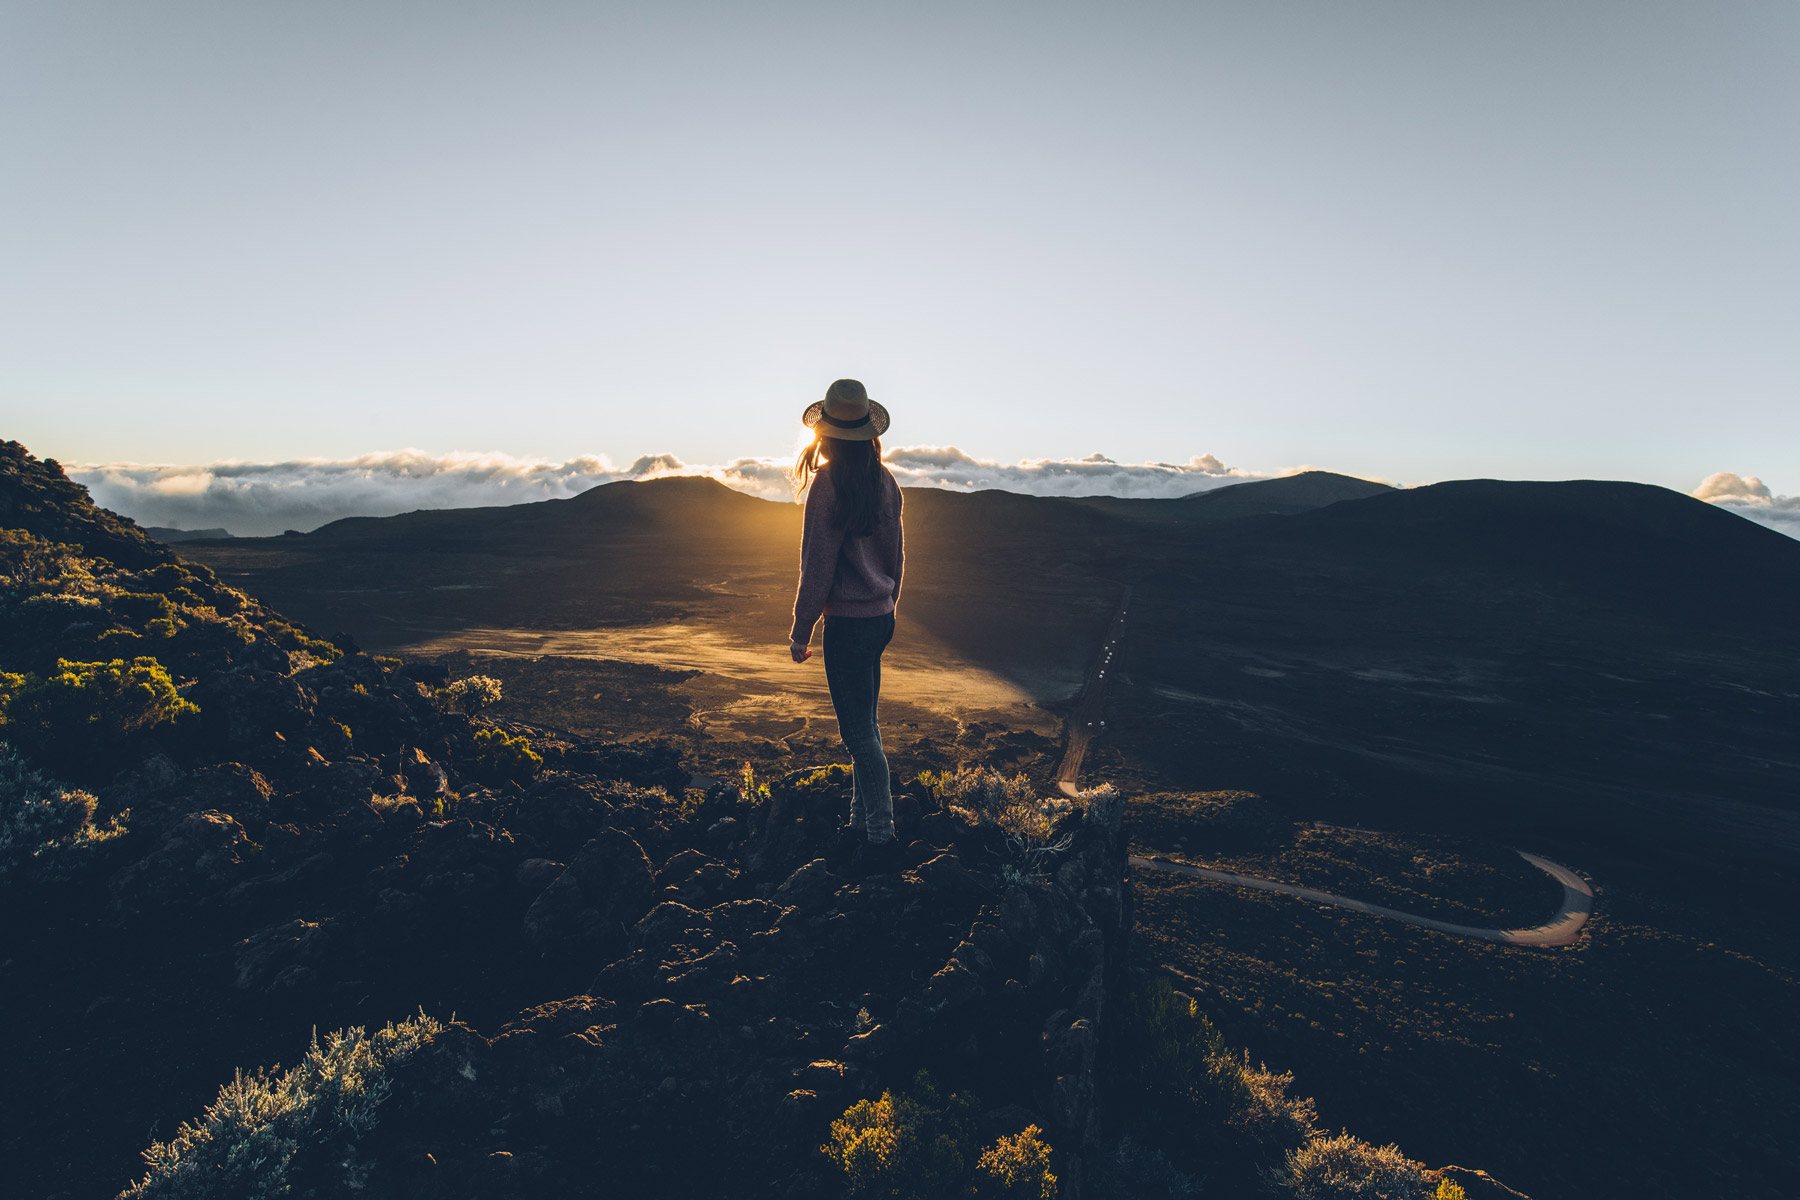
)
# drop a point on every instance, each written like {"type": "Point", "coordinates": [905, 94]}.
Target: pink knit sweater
{"type": "Point", "coordinates": [844, 576]}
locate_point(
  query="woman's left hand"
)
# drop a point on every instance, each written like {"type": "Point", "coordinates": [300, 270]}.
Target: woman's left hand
{"type": "Point", "coordinates": [800, 650]}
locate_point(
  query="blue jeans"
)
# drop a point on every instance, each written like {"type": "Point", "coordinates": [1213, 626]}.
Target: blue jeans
{"type": "Point", "coordinates": [853, 647]}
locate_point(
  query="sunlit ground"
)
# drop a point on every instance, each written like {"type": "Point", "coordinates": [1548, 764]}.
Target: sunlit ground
{"type": "Point", "coordinates": [753, 688]}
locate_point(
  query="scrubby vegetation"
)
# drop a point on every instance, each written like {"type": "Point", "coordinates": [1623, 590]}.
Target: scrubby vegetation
{"type": "Point", "coordinates": [46, 828]}
{"type": "Point", "coordinates": [79, 707]}
{"type": "Point", "coordinates": [1033, 824]}
{"type": "Point", "coordinates": [500, 756]}
{"type": "Point", "coordinates": [472, 694]}
{"type": "Point", "coordinates": [246, 1145]}
{"type": "Point", "coordinates": [1512, 1037]}
{"type": "Point", "coordinates": [1348, 1168]}
{"type": "Point", "coordinates": [918, 1145]}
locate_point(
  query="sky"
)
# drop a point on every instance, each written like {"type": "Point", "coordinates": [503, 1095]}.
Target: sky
{"type": "Point", "coordinates": [1411, 240]}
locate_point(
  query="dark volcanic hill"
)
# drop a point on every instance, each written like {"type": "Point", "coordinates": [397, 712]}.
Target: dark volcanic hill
{"type": "Point", "coordinates": [1289, 494]}
{"type": "Point", "coordinates": [1482, 653]}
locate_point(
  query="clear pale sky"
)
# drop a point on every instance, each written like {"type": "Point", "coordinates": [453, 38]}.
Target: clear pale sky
{"type": "Point", "coordinates": [1414, 240]}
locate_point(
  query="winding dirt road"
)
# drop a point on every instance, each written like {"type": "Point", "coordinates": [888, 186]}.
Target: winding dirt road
{"type": "Point", "coordinates": [1563, 929]}
{"type": "Point", "coordinates": [1088, 718]}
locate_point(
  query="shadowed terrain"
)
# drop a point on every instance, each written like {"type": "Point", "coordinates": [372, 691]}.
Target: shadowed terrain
{"type": "Point", "coordinates": [1602, 673]}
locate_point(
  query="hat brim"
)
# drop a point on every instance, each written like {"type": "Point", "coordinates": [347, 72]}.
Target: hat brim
{"type": "Point", "coordinates": [813, 418]}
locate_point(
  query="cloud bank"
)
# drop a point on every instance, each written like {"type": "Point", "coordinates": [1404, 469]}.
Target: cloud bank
{"type": "Point", "coordinates": [1748, 496]}
{"type": "Point", "coordinates": [255, 499]}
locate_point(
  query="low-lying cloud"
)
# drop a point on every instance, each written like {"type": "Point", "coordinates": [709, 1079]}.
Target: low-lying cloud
{"type": "Point", "coordinates": [255, 499]}
{"type": "Point", "coordinates": [1748, 496]}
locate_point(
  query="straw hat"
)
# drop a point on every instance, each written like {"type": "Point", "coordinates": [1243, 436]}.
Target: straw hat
{"type": "Point", "coordinates": [846, 413]}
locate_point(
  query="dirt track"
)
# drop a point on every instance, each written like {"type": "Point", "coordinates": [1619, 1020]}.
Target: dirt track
{"type": "Point", "coordinates": [1563, 929]}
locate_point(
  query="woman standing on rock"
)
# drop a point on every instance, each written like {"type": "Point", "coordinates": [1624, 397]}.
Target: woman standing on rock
{"type": "Point", "coordinates": [850, 560]}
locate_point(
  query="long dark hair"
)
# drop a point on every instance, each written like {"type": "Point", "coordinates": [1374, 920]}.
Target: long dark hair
{"type": "Point", "coordinates": [855, 470]}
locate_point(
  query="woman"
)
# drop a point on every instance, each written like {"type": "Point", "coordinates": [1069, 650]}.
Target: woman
{"type": "Point", "coordinates": [850, 559]}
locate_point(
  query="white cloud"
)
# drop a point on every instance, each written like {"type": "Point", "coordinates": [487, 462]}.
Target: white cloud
{"type": "Point", "coordinates": [1748, 496]}
{"type": "Point", "coordinates": [253, 499]}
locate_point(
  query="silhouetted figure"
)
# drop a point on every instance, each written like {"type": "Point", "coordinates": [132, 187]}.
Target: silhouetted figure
{"type": "Point", "coordinates": [850, 562]}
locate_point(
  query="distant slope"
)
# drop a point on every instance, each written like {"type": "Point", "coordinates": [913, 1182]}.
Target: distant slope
{"type": "Point", "coordinates": [169, 537]}
{"type": "Point", "coordinates": [1289, 494]}
{"type": "Point", "coordinates": [1634, 545]}
{"type": "Point", "coordinates": [1254, 498]}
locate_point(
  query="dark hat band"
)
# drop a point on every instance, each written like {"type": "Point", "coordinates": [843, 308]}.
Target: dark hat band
{"type": "Point", "coordinates": [837, 424]}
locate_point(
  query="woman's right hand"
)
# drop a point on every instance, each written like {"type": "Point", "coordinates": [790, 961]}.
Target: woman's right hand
{"type": "Point", "coordinates": [800, 650]}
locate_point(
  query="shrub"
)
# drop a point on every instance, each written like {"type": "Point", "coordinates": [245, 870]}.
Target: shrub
{"type": "Point", "coordinates": [45, 827]}
{"type": "Point", "coordinates": [1449, 1189]}
{"type": "Point", "coordinates": [141, 608]}
{"type": "Point", "coordinates": [1135, 1172]}
{"type": "Point", "coordinates": [909, 1146]}
{"type": "Point", "coordinates": [1177, 1058]}
{"type": "Point", "coordinates": [1017, 1167]}
{"type": "Point", "coordinates": [1347, 1168]}
{"type": "Point", "coordinates": [243, 1147]}
{"type": "Point", "coordinates": [82, 703]}
{"type": "Point", "coordinates": [470, 695]}
{"type": "Point", "coordinates": [918, 1146]}
{"type": "Point", "coordinates": [297, 641]}
{"type": "Point", "coordinates": [500, 756]}
{"type": "Point", "coordinates": [756, 791]}
{"type": "Point", "coordinates": [29, 563]}
{"type": "Point", "coordinates": [982, 796]}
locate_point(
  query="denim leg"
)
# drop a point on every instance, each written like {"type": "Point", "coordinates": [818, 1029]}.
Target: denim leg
{"type": "Point", "coordinates": [853, 648]}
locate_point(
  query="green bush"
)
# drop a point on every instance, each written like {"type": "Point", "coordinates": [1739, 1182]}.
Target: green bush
{"type": "Point", "coordinates": [82, 704]}
{"type": "Point", "coordinates": [499, 756]}
{"type": "Point", "coordinates": [141, 608]}
{"type": "Point", "coordinates": [46, 828]}
{"type": "Point", "coordinates": [28, 563]}
{"type": "Point", "coordinates": [471, 695]}
{"type": "Point", "coordinates": [910, 1147]}
{"type": "Point", "coordinates": [1174, 1063]}
{"type": "Point", "coordinates": [295, 640]}
{"type": "Point", "coordinates": [244, 1146]}
{"type": "Point", "coordinates": [919, 1146]}
{"type": "Point", "coordinates": [1017, 1167]}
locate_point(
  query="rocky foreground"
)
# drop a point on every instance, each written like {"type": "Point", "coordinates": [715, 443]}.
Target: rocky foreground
{"type": "Point", "coordinates": [540, 965]}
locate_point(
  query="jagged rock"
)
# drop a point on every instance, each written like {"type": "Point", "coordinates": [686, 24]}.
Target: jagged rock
{"type": "Point", "coordinates": [590, 906]}
{"type": "Point", "coordinates": [811, 886]}
{"type": "Point", "coordinates": [694, 879]}
{"type": "Point", "coordinates": [945, 872]}
{"type": "Point", "coordinates": [535, 874]}
{"type": "Point", "coordinates": [283, 956]}
{"type": "Point", "coordinates": [421, 776]}
{"type": "Point", "coordinates": [200, 853]}
{"type": "Point", "coordinates": [230, 788]}
{"type": "Point", "coordinates": [290, 881]}
{"type": "Point", "coordinates": [644, 765]}
{"type": "Point", "coordinates": [247, 709]}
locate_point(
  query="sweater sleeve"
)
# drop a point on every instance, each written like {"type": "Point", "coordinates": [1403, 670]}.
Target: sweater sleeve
{"type": "Point", "coordinates": [820, 542]}
{"type": "Point", "coordinates": [899, 544]}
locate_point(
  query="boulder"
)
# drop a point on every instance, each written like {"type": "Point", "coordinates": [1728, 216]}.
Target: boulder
{"type": "Point", "coordinates": [589, 908]}
{"type": "Point", "coordinates": [200, 855]}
